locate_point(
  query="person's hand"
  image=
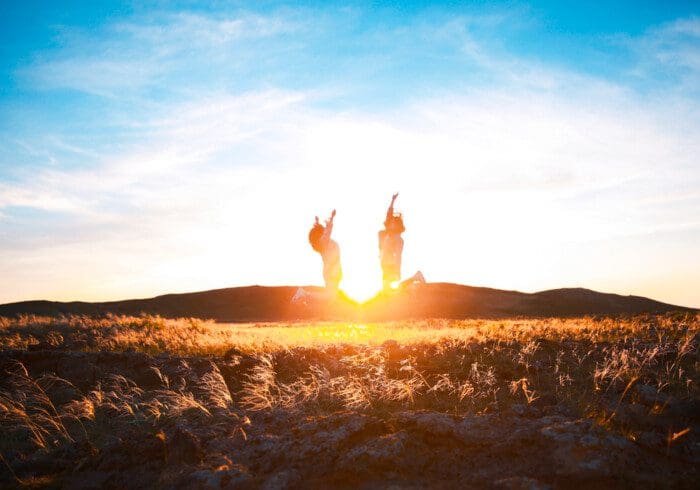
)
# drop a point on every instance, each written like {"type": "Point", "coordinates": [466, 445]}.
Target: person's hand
{"type": "Point", "coordinates": [393, 198]}
{"type": "Point", "coordinates": [316, 222]}
{"type": "Point", "coordinates": [333, 214]}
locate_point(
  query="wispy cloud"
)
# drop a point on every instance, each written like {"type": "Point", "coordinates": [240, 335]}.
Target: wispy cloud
{"type": "Point", "coordinates": [142, 52]}
{"type": "Point", "coordinates": [667, 57]}
{"type": "Point", "coordinates": [245, 162]}
{"type": "Point", "coordinates": [184, 141]}
{"type": "Point", "coordinates": [209, 183]}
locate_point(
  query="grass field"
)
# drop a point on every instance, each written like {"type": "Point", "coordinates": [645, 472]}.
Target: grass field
{"type": "Point", "coordinates": [145, 401]}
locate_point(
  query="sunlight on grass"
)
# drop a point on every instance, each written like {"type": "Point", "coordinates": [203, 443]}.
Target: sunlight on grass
{"type": "Point", "coordinates": [192, 336]}
{"type": "Point", "coordinates": [296, 335]}
{"type": "Point", "coordinates": [597, 368]}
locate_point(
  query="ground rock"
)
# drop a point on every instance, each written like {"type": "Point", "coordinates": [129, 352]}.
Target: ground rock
{"type": "Point", "coordinates": [434, 423]}
{"type": "Point", "coordinates": [225, 478]}
{"type": "Point", "coordinates": [282, 480]}
{"type": "Point", "coordinates": [520, 483]}
{"type": "Point", "coordinates": [88, 480]}
{"type": "Point", "coordinates": [183, 446]}
{"type": "Point", "coordinates": [634, 414]}
{"type": "Point", "coordinates": [685, 410]}
{"type": "Point", "coordinates": [651, 439]}
{"type": "Point", "coordinates": [579, 450]}
{"type": "Point", "coordinates": [385, 453]}
{"type": "Point", "coordinates": [650, 395]}
{"type": "Point", "coordinates": [480, 430]}
{"type": "Point", "coordinates": [523, 410]}
{"type": "Point", "coordinates": [326, 436]}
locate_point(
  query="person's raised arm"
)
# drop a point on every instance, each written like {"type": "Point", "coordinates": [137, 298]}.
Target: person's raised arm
{"type": "Point", "coordinates": [329, 227]}
{"type": "Point", "coordinates": [390, 211]}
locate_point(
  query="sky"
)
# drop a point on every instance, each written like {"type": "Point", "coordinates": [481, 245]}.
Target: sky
{"type": "Point", "coordinates": [157, 147]}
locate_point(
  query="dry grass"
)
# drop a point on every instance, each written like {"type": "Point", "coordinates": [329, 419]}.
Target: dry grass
{"type": "Point", "coordinates": [473, 365]}
{"type": "Point", "coordinates": [586, 367]}
{"type": "Point", "coordinates": [30, 420]}
{"type": "Point", "coordinates": [191, 336]}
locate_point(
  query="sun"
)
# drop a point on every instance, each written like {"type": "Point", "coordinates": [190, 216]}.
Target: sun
{"type": "Point", "coordinates": [360, 287]}
{"type": "Point", "coordinates": [362, 276]}
{"type": "Point", "coordinates": [356, 235]}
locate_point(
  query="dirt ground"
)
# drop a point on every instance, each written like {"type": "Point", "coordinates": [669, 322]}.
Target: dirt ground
{"type": "Point", "coordinates": [595, 404]}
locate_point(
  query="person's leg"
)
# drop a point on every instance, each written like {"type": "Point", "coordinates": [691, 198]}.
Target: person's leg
{"type": "Point", "coordinates": [301, 296]}
{"type": "Point", "coordinates": [333, 289]}
{"type": "Point", "coordinates": [392, 277]}
{"type": "Point", "coordinates": [418, 277]}
{"type": "Point", "coordinates": [386, 279]}
{"type": "Point", "coordinates": [413, 281]}
{"type": "Point", "coordinates": [333, 283]}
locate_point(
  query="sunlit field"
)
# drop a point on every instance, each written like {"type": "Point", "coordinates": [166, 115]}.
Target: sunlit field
{"type": "Point", "coordinates": [191, 336]}
{"type": "Point", "coordinates": [117, 400]}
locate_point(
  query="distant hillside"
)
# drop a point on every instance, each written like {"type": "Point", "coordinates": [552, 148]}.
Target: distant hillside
{"type": "Point", "coordinates": [457, 301]}
{"type": "Point", "coordinates": [434, 300]}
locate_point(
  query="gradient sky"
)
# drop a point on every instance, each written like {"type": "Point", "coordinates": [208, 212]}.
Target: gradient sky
{"type": "Point", "coordinates": [156, 147]}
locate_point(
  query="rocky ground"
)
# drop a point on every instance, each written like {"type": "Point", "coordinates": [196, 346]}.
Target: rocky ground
{"type": "Point", "coordinates": [546, 413]}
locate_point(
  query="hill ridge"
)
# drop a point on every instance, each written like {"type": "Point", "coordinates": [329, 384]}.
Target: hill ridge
{"type": "Point", "coordinates": [433, 300]}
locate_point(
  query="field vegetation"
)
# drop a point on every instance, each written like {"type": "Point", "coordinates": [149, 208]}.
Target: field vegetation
{"type": "Point", "coordinates": [519, 403]}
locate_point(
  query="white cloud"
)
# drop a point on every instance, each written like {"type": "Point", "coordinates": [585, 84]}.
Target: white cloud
{"type": "Point", "coordinates": [49, 199]}
{"type": "Point", "coordinates": [669, 56]}
{"type": "Point", "coordinates": [176, 31]}
{"type": "Point", "coordinates": [548, 178]}
{"type": "Point", "coordinates": [225, 188]}
{"type": "Point", "coordinates": [141, 53]}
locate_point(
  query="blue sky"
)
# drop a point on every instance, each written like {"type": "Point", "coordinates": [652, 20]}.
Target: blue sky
{"type": "Point", "coordinates": [153, 147]}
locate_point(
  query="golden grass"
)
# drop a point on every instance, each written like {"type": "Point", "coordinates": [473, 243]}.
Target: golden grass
{"type": "Point", "coordinates": [592, 366]}
{"type": "Point", "coordinates": [200, 337]}
{"type": "Point", "coordinates": [602, 369]}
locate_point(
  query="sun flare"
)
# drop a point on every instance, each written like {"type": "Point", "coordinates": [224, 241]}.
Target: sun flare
{"type": "Point", "coordinates": [360, 288]}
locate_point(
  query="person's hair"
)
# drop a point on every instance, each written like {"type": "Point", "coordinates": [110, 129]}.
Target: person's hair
{"type": "Point", "coordinates": [395, 223]}
{"type": "Point", "coordinates": [315, 237]}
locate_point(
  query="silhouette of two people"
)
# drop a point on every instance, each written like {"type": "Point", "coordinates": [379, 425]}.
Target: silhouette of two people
{"type": "Point", "coordinates": [390, 252]}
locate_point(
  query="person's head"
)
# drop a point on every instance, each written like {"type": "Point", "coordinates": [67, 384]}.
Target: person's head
{"type": "Point", "coordinates": [394, 224]}
{"type": "Point", "coordinates": [315, 236]}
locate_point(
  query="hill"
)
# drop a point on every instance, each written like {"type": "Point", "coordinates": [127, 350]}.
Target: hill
{"type": "Point", "coordinates": [433, 300]}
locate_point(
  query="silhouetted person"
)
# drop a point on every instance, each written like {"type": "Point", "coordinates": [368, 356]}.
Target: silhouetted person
{"type": "Point", "coordinates": [321, 242]}
{"type": "Point", "coordinates": [391, 248]}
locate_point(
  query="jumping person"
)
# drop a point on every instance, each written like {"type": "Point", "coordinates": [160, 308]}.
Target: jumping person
{"type": "Point", "coordinates": [321, 242]}
{"type": "Point", "coordinates": [391, 248]}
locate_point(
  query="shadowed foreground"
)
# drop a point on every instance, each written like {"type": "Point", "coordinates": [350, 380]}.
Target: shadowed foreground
{"type": "Point", "coordinates": [146, 402]}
